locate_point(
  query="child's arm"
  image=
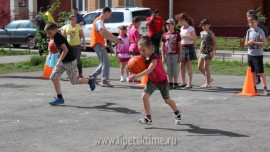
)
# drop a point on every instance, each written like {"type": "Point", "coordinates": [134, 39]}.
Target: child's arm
{"type": "Point", "coordinates": [64, 33]}
{"type": "Point", "coordinates": [145, 72]}
{"type": "Point", "coordinates": [63, 54]}
{"type": "Point", "coordinates": [263, 43]}
{"type": "Point", "coordinates": [180, 51]}
{"type": "Point", "coordinates": [115, 50]}
{"type": "Point", "coordinates": [163, 52]}
{"type": "Point", "coordinates": [82, 35]}
{"type": "Point", "coordinates": [214, 45]}
{"type": "Point", "coordinates": [192, 36]}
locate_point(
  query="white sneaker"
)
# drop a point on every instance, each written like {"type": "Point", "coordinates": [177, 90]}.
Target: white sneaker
{"type": "Point", "coordinates": [177, 119]}
{"type": "Point", "coordinates": [122, 79]}
{"type": "Point", "coordinates": [145, 121]}
{"type": "Point", "coordinates": [127, 79]}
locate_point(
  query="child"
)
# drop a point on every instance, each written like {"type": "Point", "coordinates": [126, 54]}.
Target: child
{"type": "Point", "coordinates": [171, 52]}
{"type": "Point", "coordinates": [188, 36]}
{"type": "Point", "coordinates": [67, 62]}
{"type": "Point", "coordinates": [208, 46]}
{"type": "Point", "coordinates": [73, 32]}
{"type": "Point", "coordinates": [255, 40]}
{"type": "Point", "coordinates": [122, 51]}
{"type": "Point", "coordinates": [156, 79]}
{"type": "Point", "coordinates": [134, 37]}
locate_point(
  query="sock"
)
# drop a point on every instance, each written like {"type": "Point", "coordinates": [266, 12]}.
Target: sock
{"type": "Point", "coordinates": [175, 84]}
{"type": "Point", "coordinates": [59, 96]}
{"type": "Point", "coordinates": [149, 117]}
{"type": "Point", "coordinates": [265, 88]}
{"type": "Point", "coordinates": [177, 113]}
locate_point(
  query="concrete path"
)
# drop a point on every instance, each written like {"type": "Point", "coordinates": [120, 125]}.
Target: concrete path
{"type": "Point", "coordinates": [214, 120]}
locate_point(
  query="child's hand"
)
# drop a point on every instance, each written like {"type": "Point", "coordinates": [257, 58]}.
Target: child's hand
{"type": "Point", "coordinates": [132, 77]}
{"type": "Point", "coordinates": [58, 65]}
{"type": "Point", "coordinates": [250, 42]}
{"type": "Point", "coordinates": [163, 60]}
{"type": "Point", "coordinates": [84, 47]}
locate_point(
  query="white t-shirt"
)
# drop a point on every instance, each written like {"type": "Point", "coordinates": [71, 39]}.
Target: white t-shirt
{"type": "Point", "coordinates": [99, 25]}
{"type": "Point", "coordinates": [186, 32]}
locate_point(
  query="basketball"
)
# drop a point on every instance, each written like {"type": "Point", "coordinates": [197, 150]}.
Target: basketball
{"type": "Point", "coordinates": [52, 47]}
{"type": "Point", "coordinates": [136, 64]}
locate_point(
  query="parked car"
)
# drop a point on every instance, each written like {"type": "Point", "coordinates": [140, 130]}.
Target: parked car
{"type": "Point", "coordinates": [18, 33]}
{"type": "Point", "coordinates": [120, 16]}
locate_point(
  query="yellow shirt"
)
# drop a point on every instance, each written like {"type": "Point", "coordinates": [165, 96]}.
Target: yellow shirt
{"type": "Point", "coordinates": [73, 34]}
{"type": "Point", "coordinates": [49, 16]}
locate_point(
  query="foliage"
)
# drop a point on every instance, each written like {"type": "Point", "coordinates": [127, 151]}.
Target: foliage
{"type": "Point", "coordinates": [260, 15]}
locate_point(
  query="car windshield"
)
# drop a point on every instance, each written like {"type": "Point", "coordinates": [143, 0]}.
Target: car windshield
{"type": "Point", "coordinates": [24, 24]}
{"type": "Point", "coordinates": [117, 17]}
{"type": "Point", "coordinates": [144, 14]}
{"type": "Point", "coordinates": [12, 25]}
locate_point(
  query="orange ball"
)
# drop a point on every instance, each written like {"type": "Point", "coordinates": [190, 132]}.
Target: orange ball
{"type": "Point", "coordinates": [52, 47]}
{"type": "Point", "coordinates": [136, 64]}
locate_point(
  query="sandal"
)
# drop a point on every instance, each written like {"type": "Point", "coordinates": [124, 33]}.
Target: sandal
{"type": "Point", "coordinates": [106, 84]}
{"type": "Point", "coordinates": [205, 86]}
{"type": "Point", "coordinates": [182, 85]}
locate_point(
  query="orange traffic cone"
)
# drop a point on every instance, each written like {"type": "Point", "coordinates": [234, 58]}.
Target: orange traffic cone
{"type": "Point", "coordinates": [47, 71]}
{"type": "Point", "coordinates": [144, 81]}
{"type": "Point", "coordinates": [248, 88]}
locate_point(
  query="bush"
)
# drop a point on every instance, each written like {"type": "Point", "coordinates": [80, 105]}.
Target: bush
{"type": "Point", "coordinates": [37, 60]}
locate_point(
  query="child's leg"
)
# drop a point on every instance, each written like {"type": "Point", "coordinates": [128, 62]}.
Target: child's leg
{"type": "Point", "coordinates": [146, 103]}
{"type": "Point", "coordinates": [200, 65]}
{"type": "Point", "coordinates": [175, 77]}
{"type": "Point", "coordinates": [57, 86]}
{"type": "Point", "coordinates": [122, 68]}
{"type": "Point", "coordinates": [207, 71]}
{"type": "Point", "coordinates": [171, 103]}
{"type": "Point", "coordinates": [170, 78]}
{"type": "Point", "coordinates": [190, 73]}
{"type": "Point", "coordinates": [183, 73]}
{"type": "Point", "coordinates": [263, 79]}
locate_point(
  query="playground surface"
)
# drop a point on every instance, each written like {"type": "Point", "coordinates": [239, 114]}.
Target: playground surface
{"type": "Point", "coordinates": [213, 120]}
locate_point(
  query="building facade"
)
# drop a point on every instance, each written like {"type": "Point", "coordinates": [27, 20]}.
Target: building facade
{"type": "Point", "coordinates": [228, 18]}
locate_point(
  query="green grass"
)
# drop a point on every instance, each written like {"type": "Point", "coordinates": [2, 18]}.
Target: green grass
{"type": "Point", "coordinates": [217, 67]}
{"type": "Point", "coordinates": [13, 52]}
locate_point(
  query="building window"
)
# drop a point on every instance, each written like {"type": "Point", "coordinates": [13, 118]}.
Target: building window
{"type": "Point", "coordinates": [80, 4]}
{"type": "Point", "coordinates": [130, 3]}
{"type": "Point", "coordinates": [104, 3]}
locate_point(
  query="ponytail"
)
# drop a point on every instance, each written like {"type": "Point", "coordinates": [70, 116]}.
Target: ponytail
{"type": "Point", "coordinates": [190, 21]}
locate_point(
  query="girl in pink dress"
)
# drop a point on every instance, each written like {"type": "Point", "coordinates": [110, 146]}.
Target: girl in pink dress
{"type": "Point", "coordinates": [122, 51]}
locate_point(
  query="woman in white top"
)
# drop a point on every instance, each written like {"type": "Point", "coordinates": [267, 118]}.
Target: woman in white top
{"type": "Point", "coordinates": [188, 36]}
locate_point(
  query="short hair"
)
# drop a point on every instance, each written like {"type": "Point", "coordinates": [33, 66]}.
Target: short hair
{"type": "Point", "coordinates": [136, 19]}
{"type": "Point", "coordinates": [42, 9]}
{"type": "Point", "coordinates": [74, 8]}
{"type": "Point", "coordinates": [71, 16]}
{"type": "Point", "coordinates": [106, 9]}
{"type": "Point", "coordinates": [155, 11]}
{"type": "Point", "coordinates": [50, 26]}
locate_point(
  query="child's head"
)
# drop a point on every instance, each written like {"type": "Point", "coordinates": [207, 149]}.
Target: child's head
{"type": "Point", "coordinates": [72, 20]}
{"type": "Point", "coordinates": [170, 24]}
{"type": "Point", "coordinates": [122, 30]}
{"type": "Point", "coordinates": [51, 29]}
{"type": "Point", "coordinates": [251, 13]}
{"type": "Point", "coordinates": [205, 24]}
{"type": "Point", "coordinates": [145, 46]}
{"type": "Point", "coordinates": [136, 22]}
{"type": "Point", "coordinates": [184, 19]}
{"type": "Point", "coordinates": [253, 21]}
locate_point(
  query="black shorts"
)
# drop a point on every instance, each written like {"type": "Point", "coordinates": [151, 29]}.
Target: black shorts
{"type": "Point", "coordinates": [256, 63]}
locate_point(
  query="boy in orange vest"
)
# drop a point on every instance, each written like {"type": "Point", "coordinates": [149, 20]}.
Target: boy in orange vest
{"type": "Point", "coordinates": [98, 33]}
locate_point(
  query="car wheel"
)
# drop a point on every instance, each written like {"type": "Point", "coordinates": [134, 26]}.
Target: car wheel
{"type": "Point", "coordinates": [31, 42]}
{"type": "Point", "coordinates": [16, 45]}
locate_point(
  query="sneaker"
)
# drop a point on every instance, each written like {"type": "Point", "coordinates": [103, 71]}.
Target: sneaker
{"type": "Point", "coordinates": [145, 121]}
{"type": "Point", "coordinates": [106, 84]}
{"type": "Point", "coordinates": [122, 79]}
{"type": "Point", "coordinates": [96, 82]}
{"type": "Point", "coordinates": [80, 76]}
{"type": "Point", "coordinates": [127, 79]}
{"type": "Point", "coordinates": [92, 83]}
{"type": "Point", "coordinates": [177, 119]}
{"type": "Point", "coordinates": [266, 92]}
{"type": "Point", "coordinates": [57, 101]}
